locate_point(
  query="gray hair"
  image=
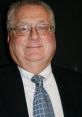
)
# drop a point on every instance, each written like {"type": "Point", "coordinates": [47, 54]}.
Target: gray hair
{"type": "Point", "coordinates": [13, 8]}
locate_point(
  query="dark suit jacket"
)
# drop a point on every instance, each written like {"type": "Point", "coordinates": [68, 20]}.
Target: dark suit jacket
{"type": "Point", "coordinates": [12, 97]}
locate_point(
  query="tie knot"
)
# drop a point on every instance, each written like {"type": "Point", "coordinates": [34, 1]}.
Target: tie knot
{"type": "Point", "coordinates": [38, 80]}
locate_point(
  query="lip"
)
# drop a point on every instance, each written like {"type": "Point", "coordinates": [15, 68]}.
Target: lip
{"type": "Point", "coordinates": [35, 46]}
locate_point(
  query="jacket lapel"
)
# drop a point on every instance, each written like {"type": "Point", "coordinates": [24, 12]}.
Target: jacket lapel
{"type": "Point", "coordinates": [13, 94]}
{"type": "Point", "coordinates": [64, 80]}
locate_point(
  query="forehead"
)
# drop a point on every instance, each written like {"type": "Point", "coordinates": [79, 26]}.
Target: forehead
{"type": "Point", "coordinates": [32, 13]}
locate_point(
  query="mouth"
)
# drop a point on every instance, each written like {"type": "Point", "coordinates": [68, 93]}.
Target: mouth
{"type": "Point", "coordinates": [34, 46]}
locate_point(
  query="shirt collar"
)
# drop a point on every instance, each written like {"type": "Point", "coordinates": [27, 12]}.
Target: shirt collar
{"type": "Point", "coordinates": [26, 74]}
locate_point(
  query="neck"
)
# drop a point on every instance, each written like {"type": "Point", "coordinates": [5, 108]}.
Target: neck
{"type": "Point", "coordinates": [34, 68]}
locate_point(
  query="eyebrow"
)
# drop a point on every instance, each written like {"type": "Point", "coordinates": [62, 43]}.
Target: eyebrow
{"type": "Point", "coordinates": [43, 21]}
{"type": "Point", "coordinates": [22, 23]}
{"type": "Point", "coordinates": [39, 22]}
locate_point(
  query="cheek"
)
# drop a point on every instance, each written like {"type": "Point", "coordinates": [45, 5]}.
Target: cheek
{"type": "Point", "coordinates": [15, 45]}
{"type": "Point", "coordinates": [50, 40]}
{"type": "Point", "coordinates": [17, 42]}
{"type": "Point", "coordinates": [51, 44]}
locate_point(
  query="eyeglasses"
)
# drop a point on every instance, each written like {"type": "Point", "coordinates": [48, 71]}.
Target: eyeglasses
{"type": "Point", "coordinates": [26, 29]}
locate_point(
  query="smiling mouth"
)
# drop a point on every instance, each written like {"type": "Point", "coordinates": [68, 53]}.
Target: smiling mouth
{"type": "Point", "coordinates": [34, 46]}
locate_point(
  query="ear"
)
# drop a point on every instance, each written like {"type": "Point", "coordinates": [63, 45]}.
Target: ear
{"type": "Point", "coordinates": [8, 38]}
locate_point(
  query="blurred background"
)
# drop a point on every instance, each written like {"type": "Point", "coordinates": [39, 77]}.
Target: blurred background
{"type": "Point", "coordinates": [68, 33]}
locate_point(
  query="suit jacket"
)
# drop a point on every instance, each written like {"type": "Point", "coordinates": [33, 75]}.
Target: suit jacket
{"type": "Point", "coordinates": [12, 97]}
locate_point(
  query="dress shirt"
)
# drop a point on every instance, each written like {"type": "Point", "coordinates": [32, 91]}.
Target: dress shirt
{"type": "Point", "coordinates": [49, 85]}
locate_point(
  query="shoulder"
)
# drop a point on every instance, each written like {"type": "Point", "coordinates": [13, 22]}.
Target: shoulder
{"type": "Point", "coordinates": [68, 78]}
{"type": "Point", "coordinates": [67, 73]}
{"type": "Point", "coordinates": [7, 68]}
{"type": "Point", "coordinates": [8, 72]}
{"type": "Point", "coordinates": [70, 82]}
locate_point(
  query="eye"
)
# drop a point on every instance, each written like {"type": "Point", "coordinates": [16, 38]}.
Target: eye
{"type": "Point", "coordinates": [23, 28]}
{"type": "Point", "coordinates": [43, 28]}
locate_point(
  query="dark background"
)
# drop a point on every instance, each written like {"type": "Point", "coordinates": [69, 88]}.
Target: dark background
{"type": "Point", "coordinates": [68, 33]}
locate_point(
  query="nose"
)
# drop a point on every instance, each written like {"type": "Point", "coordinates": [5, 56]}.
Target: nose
{"type": "Point", "coordinates": [34, 34]}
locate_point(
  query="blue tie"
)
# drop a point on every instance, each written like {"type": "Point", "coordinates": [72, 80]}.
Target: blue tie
{"type": "Point", "coordinates": [42, 106]}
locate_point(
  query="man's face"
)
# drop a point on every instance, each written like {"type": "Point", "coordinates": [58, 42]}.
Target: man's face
{"type": "Point", "coordinates": [32, 48]}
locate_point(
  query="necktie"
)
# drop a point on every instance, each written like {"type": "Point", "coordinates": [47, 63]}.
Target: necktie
{"type": "Point", "coordinates": [42, 106]}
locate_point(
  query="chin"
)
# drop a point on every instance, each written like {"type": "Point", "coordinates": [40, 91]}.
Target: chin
{"type": "Point", "coordinates": [35, 58]}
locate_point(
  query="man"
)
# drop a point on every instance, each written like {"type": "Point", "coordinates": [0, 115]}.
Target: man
{"type": "Point", "coordinates": [32, 44]}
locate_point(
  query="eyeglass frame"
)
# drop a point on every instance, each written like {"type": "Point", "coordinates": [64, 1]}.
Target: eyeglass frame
{"type": "Point", "coordinates": [49, 28]}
